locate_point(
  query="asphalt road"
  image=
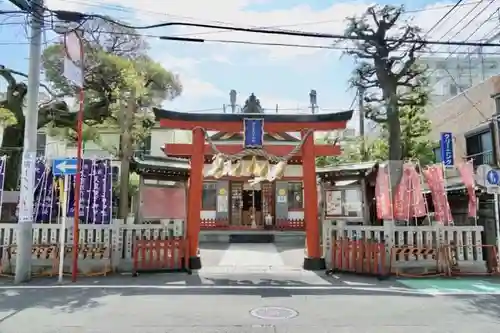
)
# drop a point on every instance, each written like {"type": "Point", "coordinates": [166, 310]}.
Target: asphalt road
{"type": "Point", "coordinates": [229, 298]}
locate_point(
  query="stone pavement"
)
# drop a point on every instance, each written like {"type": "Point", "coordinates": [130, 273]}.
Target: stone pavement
{"type": "Point", "coordinates": [259, 295]}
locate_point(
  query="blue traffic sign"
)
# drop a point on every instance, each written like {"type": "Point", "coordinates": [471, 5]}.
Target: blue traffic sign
{"type": "Point", "coordinates": [64, 166]}
{"type": "Point", "coordinates": [492, 177]}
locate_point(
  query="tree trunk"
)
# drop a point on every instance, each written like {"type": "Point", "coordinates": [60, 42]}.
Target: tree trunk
{"type": "Point", "coordinates": [395, 149]}
{"type": "Point", "coordinates": [12, 146]}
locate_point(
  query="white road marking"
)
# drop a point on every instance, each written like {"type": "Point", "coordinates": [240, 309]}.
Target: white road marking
{"type": "Point", "coordinates": [350, 283]}
{"type": "Point", "coordinates": [241, 255]}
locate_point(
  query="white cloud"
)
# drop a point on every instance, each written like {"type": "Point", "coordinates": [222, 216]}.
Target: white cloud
{"type": "Point", "coordinates": [176, 64]}
{"type": "Point", "coordinates": [194, 88]}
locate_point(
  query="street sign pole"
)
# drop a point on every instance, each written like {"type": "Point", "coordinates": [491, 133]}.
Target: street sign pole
{"type": "Point", "coordinates": [63, 194]}
{"type": "Point", "coordinates": [497, 222]}
{"type": "Point", "coordinates": [63, 168]}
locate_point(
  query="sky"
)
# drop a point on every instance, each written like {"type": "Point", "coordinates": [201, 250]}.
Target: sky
{"type": "Point", "coordinates": [280, 76]}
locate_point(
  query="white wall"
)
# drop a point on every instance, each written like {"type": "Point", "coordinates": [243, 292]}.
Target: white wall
{"type": "Point", "coordinates": [57, 147]}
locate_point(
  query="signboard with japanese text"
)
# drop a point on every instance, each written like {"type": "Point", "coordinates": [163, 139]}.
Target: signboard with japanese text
{"type": "Point", "coordinates": [253, 132]}
{"type": "Point", "coordinates": [446, 143]}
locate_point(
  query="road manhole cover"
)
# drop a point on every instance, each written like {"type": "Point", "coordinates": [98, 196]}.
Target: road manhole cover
{"type": "Point", "coordinates": [274, 312]}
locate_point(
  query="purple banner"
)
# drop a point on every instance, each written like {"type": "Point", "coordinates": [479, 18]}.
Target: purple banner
{"type": "Point", "coordinates": [95, 192]}
{"type": "Point", "coordinates": [3, 161]}
{"type": "Point", "coordinates": [44, 193]}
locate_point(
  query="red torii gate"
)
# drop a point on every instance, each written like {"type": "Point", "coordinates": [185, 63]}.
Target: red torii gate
{"type": "Point", "coordinates": [199, 123]}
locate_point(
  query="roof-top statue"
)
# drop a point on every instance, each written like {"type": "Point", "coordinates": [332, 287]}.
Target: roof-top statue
{"type": "Point", "coordinates": [252, 105]}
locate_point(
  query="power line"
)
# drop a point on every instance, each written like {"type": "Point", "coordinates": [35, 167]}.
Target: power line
{"type": "Point", "coordinates": [459, 22]}
{"type": "Point", "coordinates": [470, 35]}
{"type": "Point", "coordinates": [70, 16]}
{"type": "Point", "coordinates": [127, 9]}
{"type": "Point", "coordinates": [444, 17]}
{"type": "Point", "coordinates": [230, 41]}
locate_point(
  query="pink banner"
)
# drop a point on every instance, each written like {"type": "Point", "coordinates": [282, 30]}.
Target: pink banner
{"type": "Point", "coordinates": [402, 196]}
{"type": "Point", "coordinates": [467, 174]}
{"type": "Point", "coordinates": [382, 195]}
{"type": "Point", "coordinates": [418, 207]}
{"type": "Point", "coordinates": [408, 200]}
{"type": "Point", "coordinates": [435, 179]}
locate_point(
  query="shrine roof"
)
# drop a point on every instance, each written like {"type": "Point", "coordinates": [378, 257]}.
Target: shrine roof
{"type": "Point", "coordinates": [161, 167]}
{"type": "Point", "coordinates": [348, 170]}
{"type": "Point", "coordinates": [238, 117]}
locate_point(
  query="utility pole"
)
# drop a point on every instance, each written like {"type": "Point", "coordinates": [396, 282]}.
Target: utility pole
{"type": "Point", "coordinates": [25, 221]}
{"type": "Point", "coordinates": [126, 151]}
{"type": "Point", "coordinates": [361, 106]}
{"type": "Point", "coordinates": [232, 100]}
{"type": "Point", "coordinates": [313, 99]}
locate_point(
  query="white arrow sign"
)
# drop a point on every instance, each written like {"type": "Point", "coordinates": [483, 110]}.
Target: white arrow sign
{"type": "Point", "coordinates": [66, 166]}
{"type": "Point", "coordinates": [63, 166]}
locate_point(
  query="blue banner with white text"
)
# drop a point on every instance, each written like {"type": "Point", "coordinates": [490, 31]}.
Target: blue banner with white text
{"type": "Point", "coordinates": [446, 143]}
{"type": "Point", "coordinates": [253, 132]}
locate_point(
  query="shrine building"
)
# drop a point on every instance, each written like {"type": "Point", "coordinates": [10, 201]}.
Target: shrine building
{"type": "Point", "coordinates": [253, 171]}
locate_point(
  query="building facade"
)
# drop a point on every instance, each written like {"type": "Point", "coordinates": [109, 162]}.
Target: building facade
{"type": "Point", "coordinates": [450, 76]}
{"type": "Point", "coordinates": [469, 117]}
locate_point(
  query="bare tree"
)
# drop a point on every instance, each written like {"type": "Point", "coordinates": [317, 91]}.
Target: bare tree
{"type": "Point", "coordinates": [385, 54]}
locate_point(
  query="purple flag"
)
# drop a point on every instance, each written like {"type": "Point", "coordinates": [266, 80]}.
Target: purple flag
{"type": "Point", "coordinates": [3, 161]}
{"type": "Point", "coordinates": [70, 200]}
{"type": "Point", "coordinates": [44, 193]}
{"type": "Point", "coordinates": [85, 189]}
{"type": "Point", "coordinates": [107, 203]}
{"type": "Point", "coordinates": [95, 192]}
{"type": "Point", "coordinates": [99, 177]}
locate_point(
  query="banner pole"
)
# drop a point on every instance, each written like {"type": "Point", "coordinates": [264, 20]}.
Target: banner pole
{"type": "Point", "coordinates": [63, 192]}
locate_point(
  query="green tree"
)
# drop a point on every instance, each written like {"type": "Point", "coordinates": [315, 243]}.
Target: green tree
{"type": "Point", "coordinates": [385, 53]}
{"type": "Point", "coordinates": [415, 128]}
{"type": "Point", "coordinates": [116, 62]}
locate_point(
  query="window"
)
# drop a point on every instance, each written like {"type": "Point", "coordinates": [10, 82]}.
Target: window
{"type": "Point", "coordinates": [344, 202]}
{"type": "Point", "coordinates": [146, 146]}
{"type": "Point", "coordinates": [295, 196]}
{"type": "Point", "coordinates": [453, 89]}
{"type": "Point", "coordinates": [41, 143]}
{"type": "Point", "coordinates": [115, 173]}
{"type": "Point", "coordinates": [480, 148]}
{"type": "Point", "coordinates": [437, 154]}
{"type": "Point", "coordinates": [209, 196]}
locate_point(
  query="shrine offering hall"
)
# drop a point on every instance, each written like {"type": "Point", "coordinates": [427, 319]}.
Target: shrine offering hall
{"type": "Point", "coordinates": [256, 172]}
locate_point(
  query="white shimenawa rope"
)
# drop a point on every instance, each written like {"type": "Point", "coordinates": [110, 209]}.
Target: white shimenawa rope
{"type": "Point", "coordinates": [256, 151]}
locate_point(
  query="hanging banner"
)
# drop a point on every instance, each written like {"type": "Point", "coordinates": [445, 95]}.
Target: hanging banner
{"type": "Point", "coordinates": [95, 192]}
{"type": "Point", "coordinates": [383, 195]}
{"type": "Point", "coordinates": [402, 202]}
{"type": "Point", "coordinates": [73, 58]}
{"type": "Point", "coordinates": [3, 162]}
{"type": "Point", "coordinates": [253, 132]}
{"type": "Point", "coordinates": [44, 193]}
{"type": "Point", "coordinates": [435, 179]}
{"type": "Point", "coordinates": [466, 171]}
{"type": "Point", "coordinates": [446, 145]}
{"type": "Point", "coordinates": [417, 197]}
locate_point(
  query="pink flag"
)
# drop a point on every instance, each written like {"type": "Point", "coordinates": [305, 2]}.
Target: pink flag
{"type": "Point", "coordinates": [435, 179]}
{"type": "Point", "coordinates": [467, 174]}
{"type": "Point", "coordinates": [418, 207]}
{"type": "Point", "coordinates": [382, 195]}
{"type": "Point", "coordinates": [402, 196]}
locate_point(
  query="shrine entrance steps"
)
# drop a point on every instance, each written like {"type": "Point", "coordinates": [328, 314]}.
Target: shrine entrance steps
{"type": "Point", "coordinates": [251, 257]}
{"type": "Point", "coordinates": [252, 236]}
